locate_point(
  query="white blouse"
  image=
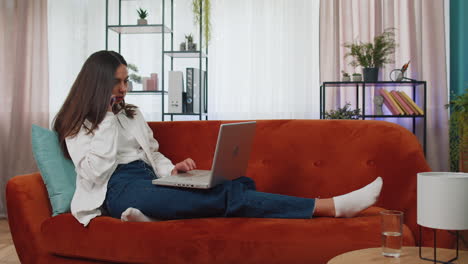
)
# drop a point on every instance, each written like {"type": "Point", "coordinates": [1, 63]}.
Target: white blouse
{"type": "Point", "coordinates": [128, 148]}
{"type": "Point", "coordinates": [96, 156]}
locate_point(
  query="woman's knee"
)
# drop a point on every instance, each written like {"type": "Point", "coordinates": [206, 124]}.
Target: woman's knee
{"type": "Point", "coordinates": [246, 182]}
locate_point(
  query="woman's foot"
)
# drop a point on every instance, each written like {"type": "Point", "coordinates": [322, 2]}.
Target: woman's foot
{"type": "Point", "coordinates": [350, 204]}
{"type": "Point", "coordinates": [135, 215]}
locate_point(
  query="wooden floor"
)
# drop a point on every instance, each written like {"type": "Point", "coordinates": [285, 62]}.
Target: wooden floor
{"type": "Point", "coordinates": [7, 249]}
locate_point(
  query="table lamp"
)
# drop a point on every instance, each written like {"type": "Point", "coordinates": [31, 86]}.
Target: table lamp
{"type": "Point", "coordinates": [442, 199]}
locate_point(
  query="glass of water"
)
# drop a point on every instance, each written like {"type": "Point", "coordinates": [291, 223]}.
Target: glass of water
{"type": "Point", "coordinates": [392, 228]}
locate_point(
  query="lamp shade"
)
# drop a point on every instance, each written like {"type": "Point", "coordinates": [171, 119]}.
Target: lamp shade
{"type": "Point", "coordinates": [443, 200]}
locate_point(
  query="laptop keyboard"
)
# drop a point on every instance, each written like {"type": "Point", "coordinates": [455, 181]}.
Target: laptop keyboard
{"type": "Point", "coordinates": [193, 175]}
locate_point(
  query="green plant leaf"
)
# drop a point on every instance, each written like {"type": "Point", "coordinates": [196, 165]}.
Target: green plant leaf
{"type": "Point", "coordinates": [142, 13]}
{"type": "Point", "coordinates": [132, 67]}
{"type": "Point", "coordinates": [370, 55]}
{"type": "Point", "coordinates": [458, 128]}
{"type": "Point", "coordinates": [343, 113]}
{"type": "Point", "coordinates": [206, 17]}
{"type": "Point", "coordinates": [133, 76]}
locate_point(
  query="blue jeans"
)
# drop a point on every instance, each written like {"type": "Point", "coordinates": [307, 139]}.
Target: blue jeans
{"type": "Point", "coordinates": [130, 186]}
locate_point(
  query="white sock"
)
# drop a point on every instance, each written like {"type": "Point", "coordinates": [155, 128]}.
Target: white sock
{"type": "Point", "coordinates": [135, 215]}
{"type": "Point", "coordinates": [350, 204]}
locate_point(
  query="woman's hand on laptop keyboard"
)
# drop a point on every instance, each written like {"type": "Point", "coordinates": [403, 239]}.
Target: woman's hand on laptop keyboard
{"type": "Point", "coordinates": [184, 166]}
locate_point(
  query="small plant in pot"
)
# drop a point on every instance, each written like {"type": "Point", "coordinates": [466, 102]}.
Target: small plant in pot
{"type": "Point", "coordinates": [133, 76]}
{"type": "Point", "coordinates": [190, 45]}
{"type": "Point", "coordinates": [343, 113]}
{"type": "Point", "coordinates": [142, 14]}
{"type": "Point", "coordinates": [357, 77]}
{"type": "Point", "coordinates": [346, 77]}
{"type": "Point", "coordinates": [372, 56]}
{"type": "Point", "coordinates": [182, 46]}
{"type": "Point", "coordinates": [458, 141]}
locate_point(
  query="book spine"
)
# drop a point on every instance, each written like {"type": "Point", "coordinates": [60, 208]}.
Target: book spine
{"type": "Point", "coordinates": [388, 103]}
{"type": "Point", "coordinates": [403, 103]}
{"type": "Point", "coordinates": [400, 111]}
{"type": "Point", "coordinates": [412, 103]}
{"type": "Point", "coordinates": [408, 102]}
{"type": "Point", "coordinates": [394, 100]}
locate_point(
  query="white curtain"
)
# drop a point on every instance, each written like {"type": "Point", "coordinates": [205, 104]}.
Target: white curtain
{"type": "Point", "coordinates": [76, 29]}
{"type": "Point", "coordinates": [264, 59]}
{"type": "Point", "coordinates": [24, 85]}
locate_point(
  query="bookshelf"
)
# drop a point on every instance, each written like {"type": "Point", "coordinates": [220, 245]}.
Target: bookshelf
{"type": "Point", "coordinates": [163, 30]}
{"type": "Point", "coordinates": [363, 93]}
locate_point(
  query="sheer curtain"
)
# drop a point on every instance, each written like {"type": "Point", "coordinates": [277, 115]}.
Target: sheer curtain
{"type": "Point", "coordinates": [76, 29]}
{"type": "Point", "coordinates": [264, 59]}
{"type": "Point", "coordinates": [420, 35]}
{"type": "Point", "coordinates": [25, 91]}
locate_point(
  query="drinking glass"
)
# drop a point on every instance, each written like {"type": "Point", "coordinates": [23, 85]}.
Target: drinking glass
{"type": "Point", "coordinates": [392, 229]}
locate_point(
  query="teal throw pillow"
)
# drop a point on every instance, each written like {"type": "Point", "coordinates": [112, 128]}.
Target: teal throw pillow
{"type": "Point", "coordinates": [57, 171]}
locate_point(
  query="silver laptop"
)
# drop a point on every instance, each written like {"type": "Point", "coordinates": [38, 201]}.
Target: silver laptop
{"type": "Point", "coordinates": [230, 159]}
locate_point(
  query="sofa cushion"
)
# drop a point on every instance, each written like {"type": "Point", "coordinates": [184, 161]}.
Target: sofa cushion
{"type": "Point", "coordinates": [314, 158]}
{"type": "Point", "coordinates": [57, 172]}
{"type": "Point", "coordinates": [205, 240]}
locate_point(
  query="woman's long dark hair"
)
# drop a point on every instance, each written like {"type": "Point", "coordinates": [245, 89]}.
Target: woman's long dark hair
{"type": "Point", "coordinates": [89, 97]}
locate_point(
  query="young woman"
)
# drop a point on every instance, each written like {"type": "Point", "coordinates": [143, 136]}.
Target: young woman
{"type": "Point", "coordinates": [116, 158]}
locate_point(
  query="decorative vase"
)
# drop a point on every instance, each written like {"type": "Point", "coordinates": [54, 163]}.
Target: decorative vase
{"type": "Point", "coordinates": [144, 83]}
{"type": "Point", "coordinates": [346, 79]}
{"type": "Point", "coordinates": [142, 21]}
{"type": "Point", "coordinates": [370, 74]}
{"type": "Point", "coordinates": [182, 46]}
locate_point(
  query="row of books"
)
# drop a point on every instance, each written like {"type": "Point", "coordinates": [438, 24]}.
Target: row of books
{"type": "Point", "coordinates": [399, 103]}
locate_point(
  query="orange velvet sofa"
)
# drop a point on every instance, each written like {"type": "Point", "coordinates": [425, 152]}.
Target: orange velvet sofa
{"type": "Point", "coordinates": [306, 158]}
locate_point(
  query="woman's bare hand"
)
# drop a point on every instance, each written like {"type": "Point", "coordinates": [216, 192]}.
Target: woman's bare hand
{"type": "Point", "coordinates": [184, 166]}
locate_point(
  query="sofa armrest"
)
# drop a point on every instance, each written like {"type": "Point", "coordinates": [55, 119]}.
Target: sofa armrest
{"type": "Point", "coordinates": [28, 207]}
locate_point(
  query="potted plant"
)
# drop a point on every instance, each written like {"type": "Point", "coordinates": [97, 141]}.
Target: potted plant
{"type": "Point", "coordinates": [190, 45]}
{"type": "Point", "coordinates": [372, 56]}
{"type": "Point", "coordinates": [206, 10]}
{"type": "Point", "coordinates": [182, 46]}
{"type": "Point", "coordinates": [346, 77]}
{"type": "Point", "coordinates": [142, 14]}
{"type": "Point", "coordinates": [133, 76]}
{"type": "Point", "coordinates": [343, 113]}
{"type": "Point", "coordinates": [458, 132]}
{"type": "Point", "coordinates": [357, 77]}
